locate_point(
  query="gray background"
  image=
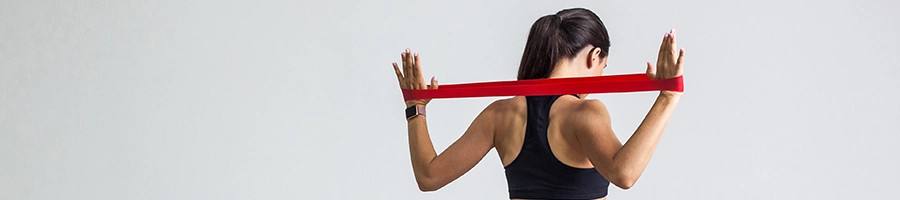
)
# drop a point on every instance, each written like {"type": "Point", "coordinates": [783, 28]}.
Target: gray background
{"type": "Point", "coordinates": [297, 100]}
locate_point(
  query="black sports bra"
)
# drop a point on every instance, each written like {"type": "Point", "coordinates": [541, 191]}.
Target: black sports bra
{"type": "Point", "coordinates": [537, 174]}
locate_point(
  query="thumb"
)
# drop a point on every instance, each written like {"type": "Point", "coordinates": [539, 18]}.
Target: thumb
{"type": "Point", "coordinates": [651, 71]}
{"type": "Point", "coordinates": [434, 83]}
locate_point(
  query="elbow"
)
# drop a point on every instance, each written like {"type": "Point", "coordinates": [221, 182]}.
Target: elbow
{"type": "Point", "coordinates": [427, 181]}
{"type": "Point", "coordinates": [624, 184]}
{"type": "Point", "coordinates": [624, 180]}
{"type": "Point", "coordinates": [427, 186]}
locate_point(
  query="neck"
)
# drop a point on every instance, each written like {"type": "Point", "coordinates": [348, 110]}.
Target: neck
{"type": "Point", "coordinates": [564, 69]}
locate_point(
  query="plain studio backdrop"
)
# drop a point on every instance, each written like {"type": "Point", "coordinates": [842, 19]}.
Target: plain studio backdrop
{"type": "Point", "coordinates": [297, 100]}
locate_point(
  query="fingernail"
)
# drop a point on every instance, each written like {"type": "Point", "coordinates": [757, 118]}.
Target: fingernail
{"type": "Point", "coordinates": [407, 50]}
{"type": "Point", "coordinates": [417, 54]}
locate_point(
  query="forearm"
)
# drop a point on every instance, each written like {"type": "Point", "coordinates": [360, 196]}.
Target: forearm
{"type": "Point", "coordinates": [421, 150]}
{"type": "Point", "coordinates": [635, 154]}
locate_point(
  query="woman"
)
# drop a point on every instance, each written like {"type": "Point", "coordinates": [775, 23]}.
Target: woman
{"type": "Point", "coordinates": [552, 147]}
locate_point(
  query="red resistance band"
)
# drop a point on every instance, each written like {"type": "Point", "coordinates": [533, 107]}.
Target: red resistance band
{"type": "Point", "coordinates": [549, 86]}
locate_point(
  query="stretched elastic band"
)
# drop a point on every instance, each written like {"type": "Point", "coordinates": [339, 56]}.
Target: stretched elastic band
{"type": "Point", "coordinates": [555, 86]}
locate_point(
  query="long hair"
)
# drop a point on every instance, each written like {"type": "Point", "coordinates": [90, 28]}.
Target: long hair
{"type": "Point", "coordinates": [560, 36]}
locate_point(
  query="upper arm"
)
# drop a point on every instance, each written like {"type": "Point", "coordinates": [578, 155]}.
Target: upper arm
{"type": "Point", "coordinates": [468, 150]}
{"type": "Point", "coordinates": [590, 123]}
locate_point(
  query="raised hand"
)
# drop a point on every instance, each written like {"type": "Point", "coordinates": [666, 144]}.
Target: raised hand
{"type": "Point", "coordinates": [411, 76]}
{"type": "Point", "coordinates": [667, 66]}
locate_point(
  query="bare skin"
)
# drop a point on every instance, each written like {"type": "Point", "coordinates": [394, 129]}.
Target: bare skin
{"type": "Point", "coordinates": [579, 130]}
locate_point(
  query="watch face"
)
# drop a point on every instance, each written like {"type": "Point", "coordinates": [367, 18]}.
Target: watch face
{"type": "Point", "coordinates": [414, 110]}
{"type": "Point", "coordinates": [411, 111]}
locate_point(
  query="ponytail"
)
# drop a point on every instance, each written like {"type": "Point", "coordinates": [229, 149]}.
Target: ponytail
{"type": "Point", "coordinates": [541, 49]}
{"type": "Point", "coordinates": [560, 36]}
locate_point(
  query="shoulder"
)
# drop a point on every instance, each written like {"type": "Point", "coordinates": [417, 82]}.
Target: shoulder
{"type": "Point", "coordinates": [592, 107]}
{"type": "Point", "coordinates": [506, 106]}
{"type": "Point", "coordinates": [505, 113]}
{"type": "Point", "coordinates": [587, 112]}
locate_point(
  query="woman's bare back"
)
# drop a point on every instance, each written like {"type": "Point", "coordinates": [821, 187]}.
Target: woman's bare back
{"type": "Point", "coordinates": [510, 133]}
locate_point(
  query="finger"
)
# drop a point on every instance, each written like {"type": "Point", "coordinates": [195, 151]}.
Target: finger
{"type": "Point", "coordinates": [663, 50]}
{"type": "Point", "coordinates": [412, 81]}
{"type": "Point", "coordinates": [434, 83]}
{"type": "Point", "coordinates": [680, 62]}
{"type": "Point", "coordinates": [651, 71]}
{"type": "Point", "coordinates": [673, 38]}
{"type": "Point", "coordinates": [672, 47]}
{"type": "Point", "coordinates": [405, 68]}
{"type": "Point", "coordinates": [411, 77]}
{"type": "Point", "coordinates": [418, 67]}
{"type": "Point", "coordinates": [662, 45]}
{"type": "Point", "coordinates": [399, 75]}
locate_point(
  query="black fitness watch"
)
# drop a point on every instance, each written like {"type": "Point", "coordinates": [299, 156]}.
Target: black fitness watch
{"type": "Point", "coordinates": [414, 111]}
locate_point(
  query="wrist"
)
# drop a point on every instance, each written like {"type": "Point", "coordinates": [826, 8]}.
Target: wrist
{"type": "Point", "coordinates": [412, 103]}
{"type": "Point", "coordinates": [669, 94]}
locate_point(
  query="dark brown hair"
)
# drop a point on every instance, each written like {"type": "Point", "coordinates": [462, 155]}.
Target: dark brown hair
{"type": "Point", "coordinates": [560, 36]}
